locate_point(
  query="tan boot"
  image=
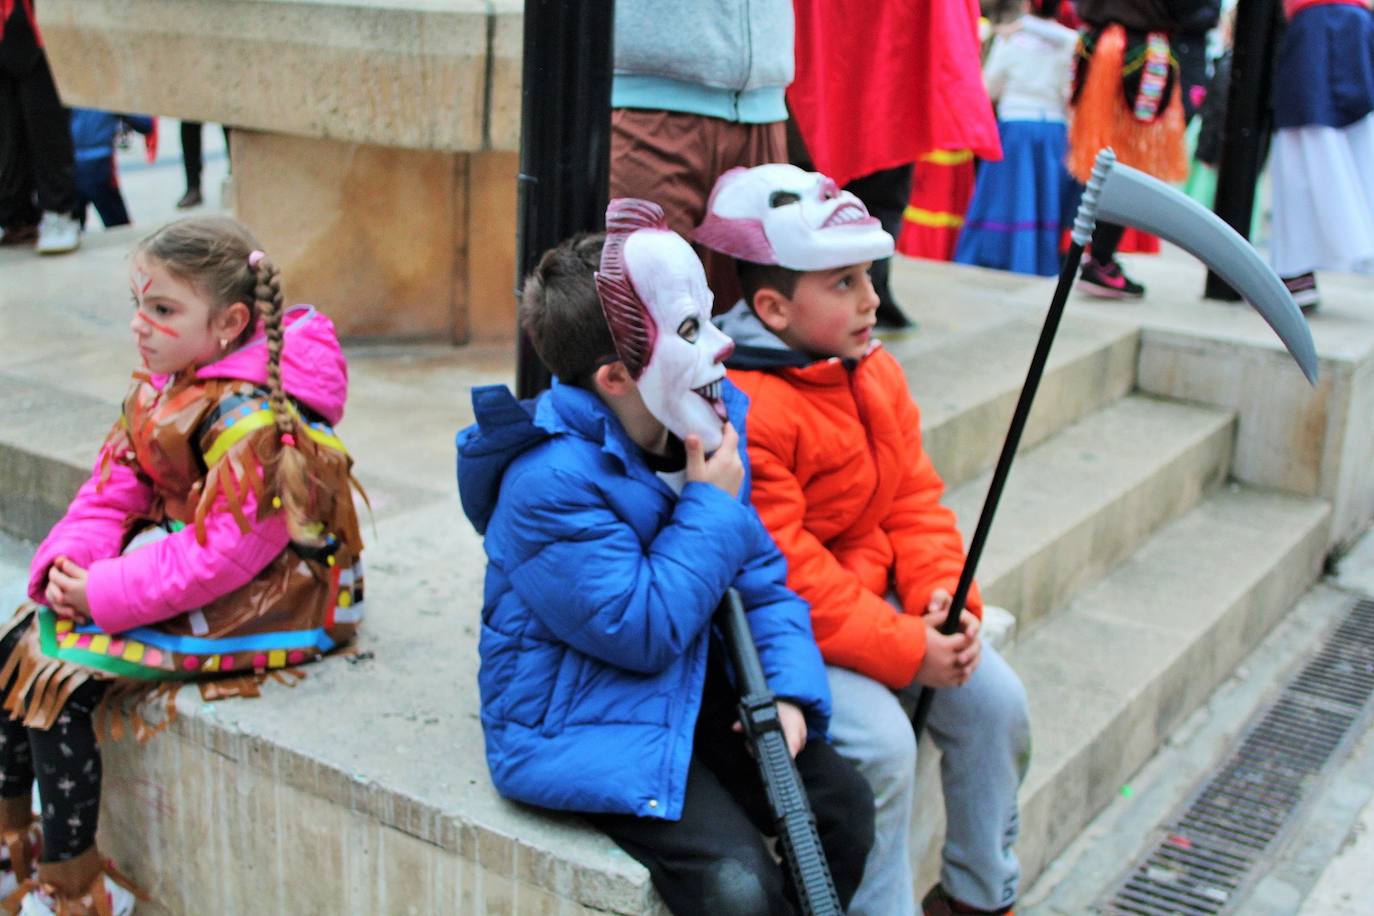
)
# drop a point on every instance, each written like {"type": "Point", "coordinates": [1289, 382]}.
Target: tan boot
{"type": "Point", "coordinates": [20, 839]}
{"type": "Point", "coordinates": [82, 886]}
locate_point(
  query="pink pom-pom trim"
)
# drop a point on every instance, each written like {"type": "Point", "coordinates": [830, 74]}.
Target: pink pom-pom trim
{"type": "Point", "coordinates": [288, 440]}
{"type": "Point", "coordinates": [255, 258]}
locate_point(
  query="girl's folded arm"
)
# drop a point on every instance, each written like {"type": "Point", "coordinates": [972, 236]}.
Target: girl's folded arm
{"type": "Point", "coordinates": [96, 522]}
{"type": "Point", "coordinates": [186, 570]}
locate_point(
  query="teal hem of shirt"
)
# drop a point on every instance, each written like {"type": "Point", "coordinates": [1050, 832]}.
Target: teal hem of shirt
{"type": "Point", "coordinates": [660, 93]}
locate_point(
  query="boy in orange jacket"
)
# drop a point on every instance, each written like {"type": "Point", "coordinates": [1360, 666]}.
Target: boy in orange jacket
{"type": "Point", "coordinates": [843, 485]}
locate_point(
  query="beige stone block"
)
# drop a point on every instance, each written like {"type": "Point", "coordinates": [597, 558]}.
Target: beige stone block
{"type": "Point", "coordinates": [374, 236]}
{"type": "Point", "coordinates": [1315, 441]}
{"type": "Point", "coordinates": [505, 74]}
{"type": "Point", "coordinates": [409, 74]}
{"type": "Point", "coordinates": [492, 202]}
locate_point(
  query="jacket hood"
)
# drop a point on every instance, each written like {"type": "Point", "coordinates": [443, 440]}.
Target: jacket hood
{"type": "Point", "coordinates": [313, 369]}
{"type": "Point", "coordinates": [756, 347]}
{"type": "Point", "coordinates": [504, 430]}
{"type": "Point", "coordinates": [1048, 31]}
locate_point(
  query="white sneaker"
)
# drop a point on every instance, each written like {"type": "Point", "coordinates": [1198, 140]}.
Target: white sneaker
{"type": "Point", "coordinates": [40, 903]}
{"type": "Point", "coordinates": [58, 233]}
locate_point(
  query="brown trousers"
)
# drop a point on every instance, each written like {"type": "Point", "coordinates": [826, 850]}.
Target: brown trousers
{"type": "Point", "coordinates": [674, 160]}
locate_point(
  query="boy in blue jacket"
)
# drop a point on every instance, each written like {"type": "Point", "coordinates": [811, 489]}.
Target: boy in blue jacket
{"type": "Point", "coordinates": [616, 515]}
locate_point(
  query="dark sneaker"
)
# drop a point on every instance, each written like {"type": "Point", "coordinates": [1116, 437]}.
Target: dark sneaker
{"type": "Point", "coordinates": [1303, 289]}
{"type": "Point", "coordinates": [939, 903]}
{"type": "Point", "coordinates": [192, 198]}
{"type": "Point", "coordinates": [1108, 280]}
{"type": "Point", "coordinates": [18, 235]}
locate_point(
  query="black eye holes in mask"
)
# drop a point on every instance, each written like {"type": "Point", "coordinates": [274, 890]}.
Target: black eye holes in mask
{"type": "Point", "coordinates": [782, 199]}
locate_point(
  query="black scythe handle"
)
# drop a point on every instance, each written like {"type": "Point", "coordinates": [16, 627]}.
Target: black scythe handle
{"type": "Point", "coordinates": [1082, 232]}
{"type": "Point", "coordinates": [787, 802]}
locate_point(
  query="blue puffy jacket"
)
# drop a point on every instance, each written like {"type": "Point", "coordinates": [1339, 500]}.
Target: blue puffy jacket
{"type": "Point", "coordinates": [600, 589]}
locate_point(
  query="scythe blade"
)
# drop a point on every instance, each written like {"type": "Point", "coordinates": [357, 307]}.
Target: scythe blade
{"type": "Point", "coordinates": [1132, 198]}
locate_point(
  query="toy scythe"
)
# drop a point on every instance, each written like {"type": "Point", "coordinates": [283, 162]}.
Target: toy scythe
{"type": "Point", "coordinates": [1120, 194]}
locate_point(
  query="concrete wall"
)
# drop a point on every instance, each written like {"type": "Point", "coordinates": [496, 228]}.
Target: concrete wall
{"type": "Point", "coordinates": [419, 74]}
{"type": "Point", "coordinates": [375, 140]}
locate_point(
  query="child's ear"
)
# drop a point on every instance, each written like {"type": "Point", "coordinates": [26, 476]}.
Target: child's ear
{"type": "Point", "coordinates": [229, 323]}
{"type": "Point", "coordinates": [613, 379]}
{"type": "Point", "coordinates": [773, 308]}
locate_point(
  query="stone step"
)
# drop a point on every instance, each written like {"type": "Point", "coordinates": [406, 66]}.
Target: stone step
{"type": "Point", "coordinates": [1113, 674]}
{"type": "Point", "coordinates": [967, 383]}
{"type": "Point", "coordinates": [1078, 504]}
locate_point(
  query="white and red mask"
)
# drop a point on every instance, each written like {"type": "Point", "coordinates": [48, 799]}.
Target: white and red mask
{"type": "Point", "coordinates": [654, 293]}
{"type": "Point", "coordinates": [779, 214]}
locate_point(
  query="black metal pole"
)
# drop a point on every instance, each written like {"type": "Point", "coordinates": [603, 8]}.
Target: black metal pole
{"type": "Point", "coordinates": [1082, 233]}
{"type": "Point", "coordinates": [1249, 122]}
{"type": "Point", "coordinates": [565, 140]}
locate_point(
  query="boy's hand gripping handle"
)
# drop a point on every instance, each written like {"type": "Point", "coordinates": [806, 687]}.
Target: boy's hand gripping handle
{"type": "Point", "coordinates": [793, 821]}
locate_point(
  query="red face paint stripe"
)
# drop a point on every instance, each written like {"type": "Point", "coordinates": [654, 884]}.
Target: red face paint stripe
{"type": "Point", "coordinates": [160, 327]}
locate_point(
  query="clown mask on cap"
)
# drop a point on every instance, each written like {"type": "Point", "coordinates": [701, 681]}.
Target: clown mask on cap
{"type": "Point", "coordinates": [654, 293]}
{"type": "Point", "coordinates": [779, 214]}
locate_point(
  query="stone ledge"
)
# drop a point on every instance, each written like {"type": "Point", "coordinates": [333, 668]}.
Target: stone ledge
{"type": "Point", "coordinates": [420, 74]}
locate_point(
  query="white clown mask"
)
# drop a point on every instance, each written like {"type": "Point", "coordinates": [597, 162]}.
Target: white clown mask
{"type": "Point", "coordinates": [779, 214]}
{"type": "Point", "coordinates": [654, 293]}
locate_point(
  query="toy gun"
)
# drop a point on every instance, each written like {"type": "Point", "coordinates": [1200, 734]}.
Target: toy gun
{"type": "Point", "coordinates": [793, 821]}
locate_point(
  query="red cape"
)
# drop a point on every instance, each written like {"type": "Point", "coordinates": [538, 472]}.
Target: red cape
{"type": "Point", "coordinates": [878, 84]}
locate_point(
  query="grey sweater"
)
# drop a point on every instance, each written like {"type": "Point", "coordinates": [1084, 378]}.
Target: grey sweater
{"type": "Point", "coordinates": [728, 59]}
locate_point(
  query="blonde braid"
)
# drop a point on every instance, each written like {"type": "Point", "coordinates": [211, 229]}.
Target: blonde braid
{"type": "Point", "coordinates": [291, 480]}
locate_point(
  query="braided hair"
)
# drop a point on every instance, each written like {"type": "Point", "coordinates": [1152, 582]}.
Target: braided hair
{"type": "Point", "coordinates": [219, 256]}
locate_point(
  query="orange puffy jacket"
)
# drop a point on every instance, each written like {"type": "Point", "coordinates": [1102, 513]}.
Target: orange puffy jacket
{"type": "Point", "coordinates": [846, 490]}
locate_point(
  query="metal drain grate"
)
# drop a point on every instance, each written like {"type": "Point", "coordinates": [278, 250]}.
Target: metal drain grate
{"type": "Point", "coordinates": [1209, 852]}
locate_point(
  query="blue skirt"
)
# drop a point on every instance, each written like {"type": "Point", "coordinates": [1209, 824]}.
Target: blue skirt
{"type": "Point", "coordinates": [1021, 204]}
{"type": "Point", "coordinates": [1324, 75]}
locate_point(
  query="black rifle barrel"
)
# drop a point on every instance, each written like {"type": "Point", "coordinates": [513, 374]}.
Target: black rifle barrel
{"type": "Point", "coordinates": [1082, 232]}
{"type": "Point", "coordinates": [795, 824]}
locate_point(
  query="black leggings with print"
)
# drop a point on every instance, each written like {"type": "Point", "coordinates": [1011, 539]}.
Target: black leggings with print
{"type": "Point", "coordinates": [64, 759]}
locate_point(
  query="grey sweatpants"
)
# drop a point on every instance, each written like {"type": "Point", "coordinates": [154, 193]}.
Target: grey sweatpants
{"type": "Point", "coordinates": [983, 732]}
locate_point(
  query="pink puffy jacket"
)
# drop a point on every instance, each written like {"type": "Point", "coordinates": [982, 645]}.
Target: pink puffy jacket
{"type": "Point", "coordinates": [179, 573]}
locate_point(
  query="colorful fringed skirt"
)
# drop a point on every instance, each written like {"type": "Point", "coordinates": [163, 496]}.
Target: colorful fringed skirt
{"type": "Point", "coordinates": [306, 603]}
{"type": "Point", "coordinates": [1022, 203]}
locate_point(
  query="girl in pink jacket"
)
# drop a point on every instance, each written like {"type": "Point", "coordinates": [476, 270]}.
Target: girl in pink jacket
{"type": "Point", "coordinates": [215, 539]}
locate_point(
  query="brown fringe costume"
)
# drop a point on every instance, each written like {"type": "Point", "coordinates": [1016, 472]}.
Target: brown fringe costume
{"type": "Point", "coordinates": [203, 446]}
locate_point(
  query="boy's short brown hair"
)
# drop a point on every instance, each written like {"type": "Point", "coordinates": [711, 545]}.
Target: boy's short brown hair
{"type": "Point", "coordinates": [561, 313]}
{"type": "Point", "coordinates": [754, 277]}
